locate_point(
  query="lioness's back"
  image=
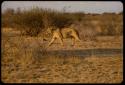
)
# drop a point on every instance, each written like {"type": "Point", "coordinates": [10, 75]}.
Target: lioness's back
{"type": "Point", "coordinates": [67, 29]}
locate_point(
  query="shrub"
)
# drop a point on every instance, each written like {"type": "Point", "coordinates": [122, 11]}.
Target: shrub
{"type": "Point", "coordinates": [36, 20]}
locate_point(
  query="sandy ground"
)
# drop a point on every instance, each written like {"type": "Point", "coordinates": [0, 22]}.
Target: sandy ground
{"type": "Point", "coordinates": [88, 70]}
{"type": "Point", "coordinates": [19, 63]}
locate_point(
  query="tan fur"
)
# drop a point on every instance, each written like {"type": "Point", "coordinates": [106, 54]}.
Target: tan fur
{"type": "Point", "coordinates": [60, 34]}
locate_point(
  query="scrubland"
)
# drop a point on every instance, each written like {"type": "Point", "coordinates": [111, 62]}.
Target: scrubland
{"type": "Point", "coordinates": [25, 57]}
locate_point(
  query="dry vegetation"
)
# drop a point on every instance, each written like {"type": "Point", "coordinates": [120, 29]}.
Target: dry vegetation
{"type": "Point", "coordinates": [25, 58]}
{"type": "Point", "coordinates": [37, 20]}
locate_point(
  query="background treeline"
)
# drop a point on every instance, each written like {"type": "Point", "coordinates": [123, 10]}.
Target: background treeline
{"type": "Point", "coordinates": [36, 20]}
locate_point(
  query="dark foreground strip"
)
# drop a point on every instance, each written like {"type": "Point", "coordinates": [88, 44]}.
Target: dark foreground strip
{"type": "Point", "coordinates": [85, 52]}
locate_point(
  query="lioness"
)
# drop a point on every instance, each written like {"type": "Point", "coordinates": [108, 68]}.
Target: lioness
{"type": "Point", "coordinates": [60, 34]}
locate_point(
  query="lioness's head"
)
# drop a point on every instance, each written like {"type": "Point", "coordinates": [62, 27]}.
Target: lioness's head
{"type": "Point", "coordinates": [51, 29]}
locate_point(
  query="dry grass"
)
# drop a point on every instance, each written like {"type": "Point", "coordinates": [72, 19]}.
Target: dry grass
{"type": "Point", "coordinates": [34, 21]}
{"type": "Point", "coordinates": [89, 70]}
{"type": "Point", "coordinates": [25, 60]}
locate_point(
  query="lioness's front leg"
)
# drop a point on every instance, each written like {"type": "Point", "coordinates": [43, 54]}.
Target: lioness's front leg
{"type": "Point", "coordinates": [52, 40]}
{"type": "Point", "coordinates": [61, 41]}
